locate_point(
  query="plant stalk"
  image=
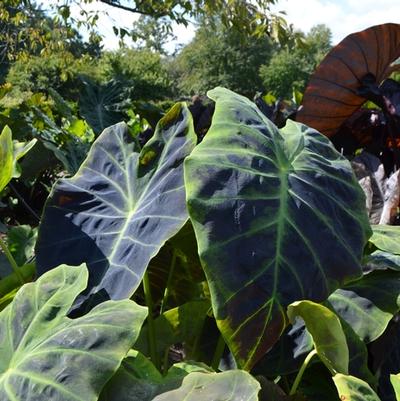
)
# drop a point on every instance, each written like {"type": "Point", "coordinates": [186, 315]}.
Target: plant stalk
{"type": "Point", "coordinates": [12, 261]}
{"type": "Point", "coordinates": [151, 335]}
{"type": "Point", "coordinates": [25, 204]}
{"type": "Point", "coordinates": [219, 351]}
{"type": "Point", "coordinates": [300, 373]}
{"type": "Point", "coordinates": [167, 288]}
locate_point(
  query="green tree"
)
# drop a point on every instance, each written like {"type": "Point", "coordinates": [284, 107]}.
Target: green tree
{"type": "Point", "coordinates": [242, 15]}
{"type": "Point", "coordinates": [220, 56]}
{"type": "Point", "coordinates": [143, 70]}
{"type": "Point", "coordinates": [290, 67]}
{"type": "Point", "coordinates": [59, 70]}
{"type": "Point", "coordinates": [148, 33]}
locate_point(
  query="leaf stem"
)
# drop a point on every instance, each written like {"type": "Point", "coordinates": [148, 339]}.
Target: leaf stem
{"type": "Point", "coordinates": [300, 373]}
{"type": "Point", "coordinates": [12, 261]}
{"type": "Point", "coordinates": [150, 321]}
{"type": "Point", "coordinates": [165, 362]}
{"type": "Point", "coordinates": [19, 196]}
{"type": "Point", "coordinates": [219, 351]}
{"type": "Point", "coordinates": [167, 288]}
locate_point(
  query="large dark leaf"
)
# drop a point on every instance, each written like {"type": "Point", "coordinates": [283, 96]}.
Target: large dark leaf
{"type": "Point", "coordinates": [331, 96]}
{"type": "Point", "coordinates": [120, 208]}
{"type": "Point", "coordinates": [47, 356]}
{"type": "Point", "coordinates": [278, 217]}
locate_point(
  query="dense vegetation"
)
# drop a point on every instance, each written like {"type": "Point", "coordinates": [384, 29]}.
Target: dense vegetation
{"type": "Point", "coordinates": [216, 249]}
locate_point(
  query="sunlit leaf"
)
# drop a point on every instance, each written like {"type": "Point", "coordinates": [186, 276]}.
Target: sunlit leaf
{"type": "Point", "coordinates": [46, 355]}
{"type": "Point", "coordinates": [6, 157]}
{"type": "Point", "coordinates": [326, 332]}
{"type": "Point", "coordinates": [351, 388]}
{"type": "Point", "coordinates": [386, 238]}
{"type": "Point", "coordinates": [395, 380]}
{"type": "Point", "coordinates": [121, 206]}
{"type": "Point", "coordinates": [233, 385]}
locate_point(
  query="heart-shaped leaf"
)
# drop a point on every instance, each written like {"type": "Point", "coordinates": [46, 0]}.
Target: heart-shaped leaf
{"type": "Point", "coordinates": [326, 332]}
{"type": "Point", "coordinates": [351, 388]}
{"type": "Point", "coordinates": [120, 208]}
{"type": "Point", "coordinates": [46, 355]}
{"type": "Point", "coordinates": [233, 385]}
{"type": "Point", "coordinates": [278, 216]}
{"type": "Point", "coordinates": [331, 96]}
{"type": "Point", "coordinates": [100, 105]}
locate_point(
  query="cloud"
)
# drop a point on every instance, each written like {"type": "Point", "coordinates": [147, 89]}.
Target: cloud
{"type": "Point", "coordinates": [342, 16]}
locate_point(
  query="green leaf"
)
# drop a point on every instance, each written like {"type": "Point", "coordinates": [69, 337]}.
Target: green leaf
{"type": "Point", "coordinates": [21, 243]}
{"type": "Point", "coordinates": [266, 225]}
{"type": "Point", "coordinates": [178, 325]}
{"type": "Point", "coordinates": [100, 104]}
{"type": "Point", "coordinates": [351, 388]}
{"type": "Point", "coordinates": [10, 153]}
{"type": "Point", "coordinates": [6, 157]}
{"type": "Point", "coordinates": [369, 304]}
{"type": "Point", "coordinates": [20, 149]}
{"type": "Point", "coordinates": [12, 281]}
{"type": "Point", "coordinates": [46, 355]}
{"type": "Point", "coordinates": [358, 355]}
{"type": "Point", "coordinates": [233, 385]}
{"type": "Point", "coordinates": [120, 207]}
{"type": "Point", "coordinates": [137, 379]}
{"type": "Point", "coordinates": [386, 238]}
{"type": "Point", "coordinates": [395, 380]}
{"type": "Point", "coordinates": [10, 285]}
{"type": "Point", "coordinates": [296, 343]}
{"type": "Point", "coordinates": [326, 332]}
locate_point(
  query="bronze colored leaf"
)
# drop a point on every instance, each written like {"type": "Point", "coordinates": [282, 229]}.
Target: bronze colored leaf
{"type": "Point", "coordinates": [331, 96]}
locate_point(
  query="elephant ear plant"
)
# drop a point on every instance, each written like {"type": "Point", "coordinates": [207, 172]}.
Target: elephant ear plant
{"type": "Point", "coordinates": [290, 193]}
{"type": "Point", "coordinates": [280, 230]}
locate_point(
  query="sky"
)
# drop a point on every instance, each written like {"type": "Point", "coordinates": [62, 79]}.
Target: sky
{"type": "Point", "coordinates": [341, 16]}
